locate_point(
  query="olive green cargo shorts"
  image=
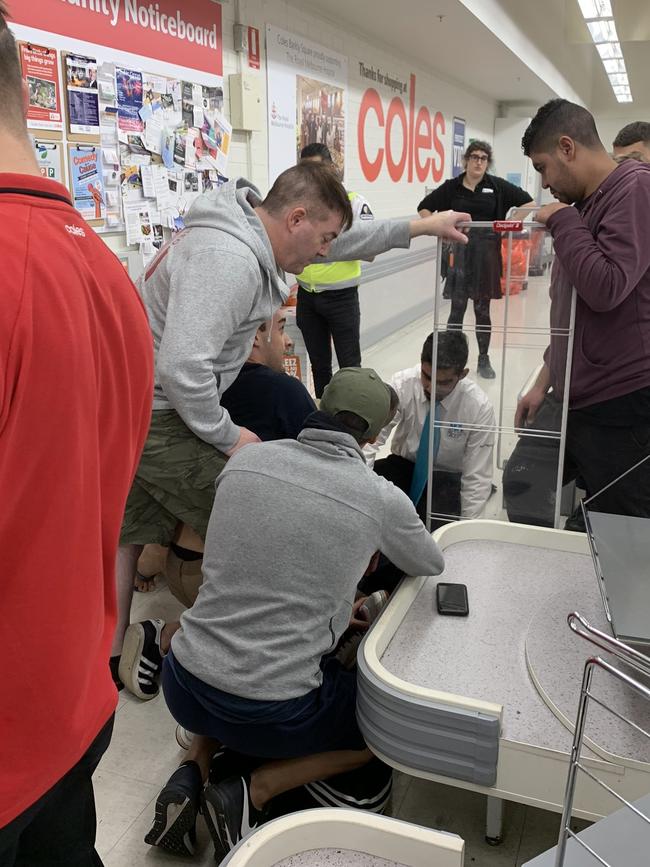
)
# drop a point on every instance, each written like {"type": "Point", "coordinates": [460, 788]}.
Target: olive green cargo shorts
{"type": "Point", "coordinates": [174, 483]}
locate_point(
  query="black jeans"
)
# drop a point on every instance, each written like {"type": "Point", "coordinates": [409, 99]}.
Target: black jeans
{"type": "Point", "coordinates": [399, 471]}
{"type": "Point", "coordinates": [459, 299]}
{"type": "Point", "coordinates": [59, 829]}
{"type": "Point", "coordinates": [597, 452]}
{"type": "Point", "coordinates": [326, 316]}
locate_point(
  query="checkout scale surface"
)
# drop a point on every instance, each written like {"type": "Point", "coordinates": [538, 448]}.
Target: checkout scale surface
{"type": "Point", "coordinates": [423, 675]}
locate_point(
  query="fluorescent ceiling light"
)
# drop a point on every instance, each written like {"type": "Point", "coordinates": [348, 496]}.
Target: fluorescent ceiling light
{"type": "Point", "coordinates": [603, 31]}
{"type": "Point", "coordinates": [614, 66]}
{"type": "Point", "coordinates": [609, 50]}
{"type": "Point", "coordinates": [602, 27]}
{"type": "Point", "coordinates": [596, 8]}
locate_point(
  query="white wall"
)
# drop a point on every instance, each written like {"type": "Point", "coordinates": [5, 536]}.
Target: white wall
{"type": "Point", "coordinates": [609, 125]}
{"type": "Point", "coordinates": [390, 301]}
{"type": "Point", "coordinates": [389, 199]}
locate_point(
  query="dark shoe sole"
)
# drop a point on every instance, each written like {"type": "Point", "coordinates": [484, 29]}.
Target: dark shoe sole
{"type": "Point", "coordinates": [486, 373]}
{"type": "Point", "coordinates": [174, 827]}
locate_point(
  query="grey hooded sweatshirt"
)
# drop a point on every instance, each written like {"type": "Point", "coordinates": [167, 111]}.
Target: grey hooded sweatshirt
{"type": "Point", "coordinates": [293, 528]}
{"type": "Point", "coordinates": [209, 290]}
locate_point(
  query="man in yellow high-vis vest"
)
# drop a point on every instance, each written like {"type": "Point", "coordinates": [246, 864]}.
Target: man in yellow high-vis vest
{"type": "Point", "coordinates": [328, 298]}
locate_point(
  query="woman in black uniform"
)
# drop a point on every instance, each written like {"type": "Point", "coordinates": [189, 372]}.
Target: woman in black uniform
{"type": "Point", "coordinates": [476, 268]}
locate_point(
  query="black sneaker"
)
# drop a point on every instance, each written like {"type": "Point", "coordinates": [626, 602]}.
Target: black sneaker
{"type": "Point", "coordinates": [484, 368]}
{"type": "Point", "coordinates": [226, 763]}
{"type": "Point", "coordinates": [141, 658]}
{"type": "Point", "coordinates": [229, 814]}
{"type": "Point", "coordinates": [174, 826]}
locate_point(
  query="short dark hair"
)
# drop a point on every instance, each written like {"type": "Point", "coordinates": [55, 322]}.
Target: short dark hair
{"type": "Point", "coordinates": [632, 155]}
{"type": "Point", "coordinates": [556, 118]}
{"type": "Point", "coordinates": [316, 149]}
{"type": "Point", "coordinates": [11, 81]}
{"type": "Point", "coordinates": [453, 350]}
{"type": "Point", "coordinates": [353, 424]}
{"type": "Point", "coordinates": [474, 146]}
{"type": "Point", "coordinates": [314, 185]}
{"type": "Point", "coordinates": [639, 130]}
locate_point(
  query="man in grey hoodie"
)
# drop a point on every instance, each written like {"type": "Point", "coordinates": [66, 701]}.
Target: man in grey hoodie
{"type": "Point", "coordinates": [293, 528]}
{"type": "Point", "coordinates": [206, 294]}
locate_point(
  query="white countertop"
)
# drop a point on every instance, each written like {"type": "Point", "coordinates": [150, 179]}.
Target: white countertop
{"type": "Point", "coordinates": [483, 655]}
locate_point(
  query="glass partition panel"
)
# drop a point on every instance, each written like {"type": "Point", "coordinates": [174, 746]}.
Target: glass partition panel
{"type": "Point", "coordinates": [484, 460]}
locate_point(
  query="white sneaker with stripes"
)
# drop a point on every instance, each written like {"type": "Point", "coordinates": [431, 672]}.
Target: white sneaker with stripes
{"type": "Point", "coordinates": [142, 658]}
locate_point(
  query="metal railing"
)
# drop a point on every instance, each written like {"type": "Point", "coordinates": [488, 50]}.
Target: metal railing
{"type": "Point", "coordinates": [640, 663]}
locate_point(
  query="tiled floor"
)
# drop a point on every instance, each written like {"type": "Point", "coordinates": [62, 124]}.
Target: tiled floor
{"type": "Point", "coordinates": [144, 752]}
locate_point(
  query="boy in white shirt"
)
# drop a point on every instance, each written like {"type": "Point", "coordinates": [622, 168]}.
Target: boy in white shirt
{"type": "Point", "coordinates": [464, 441]}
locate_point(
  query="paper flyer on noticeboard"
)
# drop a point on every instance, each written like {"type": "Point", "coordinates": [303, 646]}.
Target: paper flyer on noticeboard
{"type": "Point", "coordinates": [137, 217]}
{"type": "Point", "coordinates": [40, 68]}
{"type": "Point", "coordinates": [48, 156]}
{"type": "Point", "coordinates": [86, 181]}
{"type": "Point", "coordinates": [213, 144]}
{"type": "Point", "coordinates": [129, 88]}
{"type": "Point", "coordinates": [83, 96]}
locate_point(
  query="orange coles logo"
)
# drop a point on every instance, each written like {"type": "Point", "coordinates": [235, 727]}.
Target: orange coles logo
{"type": "Point", "coordinates": [422, 153]}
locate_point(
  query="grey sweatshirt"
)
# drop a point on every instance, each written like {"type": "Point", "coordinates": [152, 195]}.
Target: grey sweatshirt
{"type": "Point", "coordinates": [210, 289]}
{"type": "Point", "coordinates": [293, 528]}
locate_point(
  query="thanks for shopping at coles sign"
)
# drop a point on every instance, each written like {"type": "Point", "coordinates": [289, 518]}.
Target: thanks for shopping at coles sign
{"type": "Point", "coordinates": [183, 32]}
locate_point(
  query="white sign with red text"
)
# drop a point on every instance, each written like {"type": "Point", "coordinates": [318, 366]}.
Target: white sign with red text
{"type": "Point", "coordinates": [182, 34]}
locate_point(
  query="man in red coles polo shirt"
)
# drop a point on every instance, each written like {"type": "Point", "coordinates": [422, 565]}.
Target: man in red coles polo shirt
{"type": "Point", "coordinates": [75, 398]}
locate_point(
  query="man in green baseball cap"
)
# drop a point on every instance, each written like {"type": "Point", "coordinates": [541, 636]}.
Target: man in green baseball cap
{"type": "Point", "coordinates": [360, 391]}
{"type": "Point", "coordinates": [293, 528]}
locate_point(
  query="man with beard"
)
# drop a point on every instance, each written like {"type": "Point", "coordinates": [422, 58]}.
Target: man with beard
{"type": "Point", "coordinates": [599, 229]}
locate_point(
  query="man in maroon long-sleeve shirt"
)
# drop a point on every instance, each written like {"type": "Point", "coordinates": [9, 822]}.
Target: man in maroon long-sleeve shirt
{"type": "Point", "coordinates": [602, 250]}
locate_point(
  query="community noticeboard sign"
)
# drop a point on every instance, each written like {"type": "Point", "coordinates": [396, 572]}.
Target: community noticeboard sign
{"type": "Point", "coordinates": [183, 32]}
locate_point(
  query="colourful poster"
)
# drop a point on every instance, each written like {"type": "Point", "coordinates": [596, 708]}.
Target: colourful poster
{"type": "Point", "coordinates": [40, 67]}
{"type": "Point", "coordinates": [212, 145]}
{"type": "Point", "coordinates": [307, 103]}
{"type": "Point", "coordinates": [83, 97]}
{"type": "Point", "coordinates": [129, 89]}
{"type": "Point", "coordinates": [86, 182]}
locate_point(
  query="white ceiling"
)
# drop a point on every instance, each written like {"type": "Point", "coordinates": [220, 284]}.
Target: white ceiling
{"type": "Point", "coordinates": [558, 29]}
{"type": "Point", "coordinates": [459, 41]}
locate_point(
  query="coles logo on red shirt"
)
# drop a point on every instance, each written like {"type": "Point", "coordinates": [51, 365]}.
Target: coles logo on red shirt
{"type": "Point", "coordinates": [183, 32]}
